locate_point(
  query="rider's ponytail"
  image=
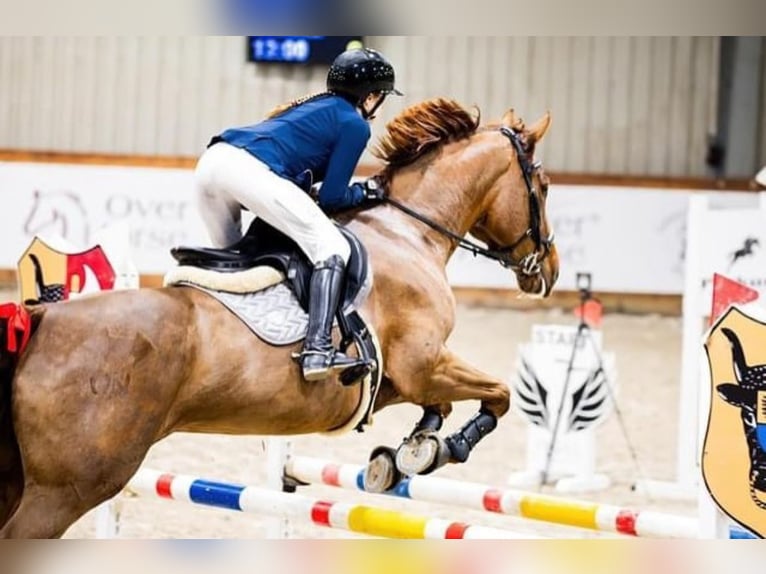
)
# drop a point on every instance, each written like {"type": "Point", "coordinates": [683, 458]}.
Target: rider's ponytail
{"type": "Point", "coordinates": [280, 109]}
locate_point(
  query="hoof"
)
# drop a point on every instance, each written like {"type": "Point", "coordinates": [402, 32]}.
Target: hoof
{"type": "Point", "coordinates": [422, 454]}
{"type": "Point", "coordinates": [381, 473]}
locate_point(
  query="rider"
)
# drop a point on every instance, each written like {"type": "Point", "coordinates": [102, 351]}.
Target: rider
{"type": "Point", "coordinates": [267, 166]}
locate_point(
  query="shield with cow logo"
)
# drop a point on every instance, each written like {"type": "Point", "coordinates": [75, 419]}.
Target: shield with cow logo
{"type": "Point", "coordinates": [734, 453]}
{"type": "Point", "coordinates": [48, 275]}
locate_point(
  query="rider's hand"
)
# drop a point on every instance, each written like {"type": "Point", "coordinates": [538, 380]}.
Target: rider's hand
{"type": "Point", "coordinates": [314, 192]}
{"type": "Point", "coordinates": [374, 191]}
{"type": "Point", "coordinates": [368, 193]}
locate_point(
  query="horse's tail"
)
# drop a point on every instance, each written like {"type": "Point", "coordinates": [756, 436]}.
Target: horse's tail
{"type": "Point", "coordinates": [16, 327]}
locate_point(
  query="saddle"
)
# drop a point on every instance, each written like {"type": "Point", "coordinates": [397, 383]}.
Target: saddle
{"type": "Point", "coordinates": [263, 245]}
{"type": "Point", "coordinates": [264, 279]}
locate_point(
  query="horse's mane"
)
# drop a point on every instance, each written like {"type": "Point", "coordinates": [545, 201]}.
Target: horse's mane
{"type": "Point", "coordinates": [421, 127]}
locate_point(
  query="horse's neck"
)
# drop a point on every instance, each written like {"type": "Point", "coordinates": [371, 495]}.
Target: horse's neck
{"type": "Point", "coordinates": [449, 188]}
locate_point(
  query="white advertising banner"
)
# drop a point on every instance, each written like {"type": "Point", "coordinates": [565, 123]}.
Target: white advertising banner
{"type": "Point", "coordinates": [630, 240]}
{"type": "Point", "coordinates": [74, 202]}
{"type": "Point", "coordinates": [732, 241]}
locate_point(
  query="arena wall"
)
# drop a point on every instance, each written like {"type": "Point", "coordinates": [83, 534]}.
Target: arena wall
{"type": "Point", "coordinates": [621, 105]}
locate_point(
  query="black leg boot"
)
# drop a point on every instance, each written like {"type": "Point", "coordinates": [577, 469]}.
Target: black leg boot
{"type": "Point", "coordinates": [319, 358]}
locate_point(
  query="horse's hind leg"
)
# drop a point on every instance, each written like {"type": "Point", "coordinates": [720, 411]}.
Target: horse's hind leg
{"type": "Point", "coordinates": [11, 488]}
{"type": "Point", "coordinates": [44, 512]}
{"type": "Point", "coordinates": [48, 511]}
{"type": "Point", "coordinates": [49, 507]}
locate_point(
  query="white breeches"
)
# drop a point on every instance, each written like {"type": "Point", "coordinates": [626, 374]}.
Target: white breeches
{"type": "Point", "coordinates": [228, 177]}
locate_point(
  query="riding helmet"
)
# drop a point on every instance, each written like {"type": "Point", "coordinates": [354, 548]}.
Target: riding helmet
{"type": "Point", "coordinates": [357, 73]}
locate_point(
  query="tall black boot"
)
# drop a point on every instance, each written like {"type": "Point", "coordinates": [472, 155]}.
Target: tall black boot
{"type": "Point", "coordinates": [319, 358]}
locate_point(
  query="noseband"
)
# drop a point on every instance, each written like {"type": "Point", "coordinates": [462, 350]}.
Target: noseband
{"type": "Point", "coordinates": [530, 264]}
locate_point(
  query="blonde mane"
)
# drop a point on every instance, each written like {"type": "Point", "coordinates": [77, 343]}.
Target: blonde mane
{"type": "Point", "coordinates": [420, 128]}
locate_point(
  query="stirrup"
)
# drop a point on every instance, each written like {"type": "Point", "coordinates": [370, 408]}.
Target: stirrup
{"type": "Point", "coordinates": [349, 369]}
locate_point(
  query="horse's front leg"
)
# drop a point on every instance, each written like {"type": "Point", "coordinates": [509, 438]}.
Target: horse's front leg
{"type": "Point", "coordinates": [388, 466]}
{"type": "Point", "coordinates": [432, 419]}
{"type": "Point", "coordinates": [451, 379]}
{"type": "Point", "coordinates": [454, 380]}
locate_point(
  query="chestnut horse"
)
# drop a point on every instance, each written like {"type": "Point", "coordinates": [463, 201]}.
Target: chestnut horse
{"type": "Point", "coordinates": [103, 378]}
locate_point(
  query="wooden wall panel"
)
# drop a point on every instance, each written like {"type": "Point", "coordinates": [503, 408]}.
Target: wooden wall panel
{"type": "Point", "coordinates": [635, 106]}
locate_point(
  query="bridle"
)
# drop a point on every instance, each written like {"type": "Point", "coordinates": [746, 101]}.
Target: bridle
{"type": "Point", "coordinates": [531, 263]}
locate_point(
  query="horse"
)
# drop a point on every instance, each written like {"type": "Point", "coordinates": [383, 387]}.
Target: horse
{"type": "Point", "coordinates": [105, 377]}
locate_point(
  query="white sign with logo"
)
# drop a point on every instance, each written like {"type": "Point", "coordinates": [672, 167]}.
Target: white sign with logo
{"type": "Point", "coordinates": [563, 407]}
{"type": "Point", "coordinates": [732, 243]}
{"type": "Point", "coordinates": [630, 240]}
{"type": "Point", "coordinates": [75, 202]}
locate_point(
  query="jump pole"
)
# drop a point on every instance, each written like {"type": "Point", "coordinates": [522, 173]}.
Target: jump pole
{"type": "Point", "coordinates": [361, 519]}
{"type": "Point", "coordinates": [566, 512]}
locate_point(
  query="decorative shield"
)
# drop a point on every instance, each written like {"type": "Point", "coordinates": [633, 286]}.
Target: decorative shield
{"type": "Point", "coordinates": [734, 454]}
{"type": "Point", "coordinates": [49, 275]}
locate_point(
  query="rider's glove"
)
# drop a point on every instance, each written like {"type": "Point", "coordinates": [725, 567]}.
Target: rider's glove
{"type": "Point", "coordinates": [374, 192]}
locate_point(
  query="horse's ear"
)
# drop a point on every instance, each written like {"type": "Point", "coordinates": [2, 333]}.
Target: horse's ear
{"type": "Point", "coordinates": [536, 131]}
{"type": "Point", "coordinates": [511, 120]}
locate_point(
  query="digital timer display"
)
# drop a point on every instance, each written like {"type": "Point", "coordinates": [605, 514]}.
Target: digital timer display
{"type": "Point", "coordinates": [299, 49]}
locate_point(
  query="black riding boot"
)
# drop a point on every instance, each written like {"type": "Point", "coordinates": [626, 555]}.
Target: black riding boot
{"type": "Point", "coordinates": [319, 358]}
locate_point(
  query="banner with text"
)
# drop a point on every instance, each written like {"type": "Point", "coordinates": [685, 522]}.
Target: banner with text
{"type": "Point", "coordinates": [74, 202]}
{"type": "Point", "coordinates": [630, 240]}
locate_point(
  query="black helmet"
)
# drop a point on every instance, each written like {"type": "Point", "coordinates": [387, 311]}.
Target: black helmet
{"type": "Point", "coordinates": [358, 73]}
